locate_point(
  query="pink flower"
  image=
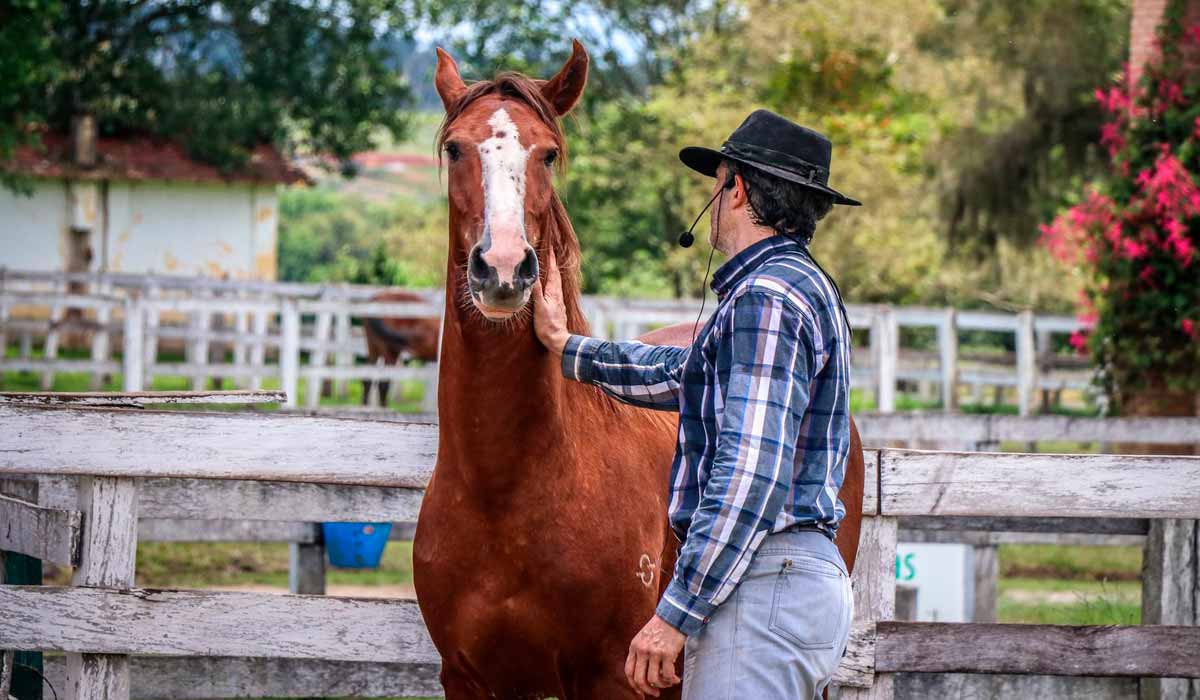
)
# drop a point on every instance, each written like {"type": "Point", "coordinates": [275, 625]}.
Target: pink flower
{"type": "Point", "coordinates": [1147, 275]}
{"type": "Point", "coordinates": [1188, 326]}
{"type": "Point", "coordinates": [1133, 249]}
{"type": "Point", "coordinates": [1112, 138]}
{"type": "Point", "coordinates": [1079, 341]}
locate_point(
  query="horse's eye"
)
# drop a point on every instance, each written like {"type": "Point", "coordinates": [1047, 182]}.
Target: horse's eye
{"type": "Point", "coordinates": [551, 156]}
{"type": "Point", "coordinates": [453, 151]}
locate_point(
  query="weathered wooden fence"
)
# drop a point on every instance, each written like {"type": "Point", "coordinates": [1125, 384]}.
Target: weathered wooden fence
{"type": "Point", "coordinates": [269, 467]}
{"type": "Point", "coordinates": [234, 329]}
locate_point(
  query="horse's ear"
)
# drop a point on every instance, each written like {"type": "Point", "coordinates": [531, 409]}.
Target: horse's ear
{"type": "Point", "coordinates": [564, 89]}
{"type": "Point", "coordinates": [447, 80]}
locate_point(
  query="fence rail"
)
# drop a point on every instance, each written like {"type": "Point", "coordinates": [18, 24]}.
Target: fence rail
{"type": "Point", "coordinates": [102, 619]}
{"type": "Point", "coordinates": [234, 328]}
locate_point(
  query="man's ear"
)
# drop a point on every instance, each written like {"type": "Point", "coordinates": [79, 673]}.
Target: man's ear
{"type": "Point", "coordinates": [446, 79]}
{"type": "Point", "coordinates": [564, 89]}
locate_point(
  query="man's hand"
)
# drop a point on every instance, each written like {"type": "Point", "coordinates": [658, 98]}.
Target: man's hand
{"type": "Point", "coordinates": [652, 653]}
{"type": "Point", "coordinates": [549, 311]}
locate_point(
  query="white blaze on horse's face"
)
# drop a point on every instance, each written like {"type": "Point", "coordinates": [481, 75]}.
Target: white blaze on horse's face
{"type": "Point", "coordinates": [503, 266]}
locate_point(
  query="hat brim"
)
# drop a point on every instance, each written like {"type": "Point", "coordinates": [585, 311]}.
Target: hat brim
{"type": "Point", "coordinates": [706, 161]}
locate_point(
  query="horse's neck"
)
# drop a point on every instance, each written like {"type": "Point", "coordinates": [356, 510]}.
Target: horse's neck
{"type": "Point", "coordinates": [500, 400]}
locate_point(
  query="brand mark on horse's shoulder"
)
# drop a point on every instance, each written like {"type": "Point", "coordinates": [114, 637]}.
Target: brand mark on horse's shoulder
{"type": "Point", "coordinates": [645, 570]}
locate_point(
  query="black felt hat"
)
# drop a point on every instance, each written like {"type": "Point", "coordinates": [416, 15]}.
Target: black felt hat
{"type": "Point", "coordinates": [774, 145]}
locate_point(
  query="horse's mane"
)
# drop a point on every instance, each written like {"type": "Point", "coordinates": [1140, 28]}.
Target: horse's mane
{"type": "Point", "coordinates": [559, 232]}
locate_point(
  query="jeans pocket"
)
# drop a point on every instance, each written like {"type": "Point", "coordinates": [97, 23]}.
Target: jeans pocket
{"type": "Point", "coordinates": [809, 607]}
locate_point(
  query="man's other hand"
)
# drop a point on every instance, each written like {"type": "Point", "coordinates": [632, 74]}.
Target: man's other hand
{"type": "Point", "coordinates": [549, 310]}
{"type": "Point", "coordinates": [652, 653]}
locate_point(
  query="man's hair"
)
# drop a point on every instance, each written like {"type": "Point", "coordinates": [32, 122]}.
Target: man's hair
{"type": "Point", "coordinates": [790, 209]}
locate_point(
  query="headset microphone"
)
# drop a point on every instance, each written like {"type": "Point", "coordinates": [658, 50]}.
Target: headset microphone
{"type": "Point", "coordinates": [686, 239]}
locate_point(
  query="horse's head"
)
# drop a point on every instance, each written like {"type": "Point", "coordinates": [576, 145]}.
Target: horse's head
{"type": "Point", "coordinates": [502, 139]}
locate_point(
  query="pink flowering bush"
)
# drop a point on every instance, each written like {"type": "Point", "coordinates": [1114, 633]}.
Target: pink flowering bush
{"type": "Point", "coordinates": [1138, 232]}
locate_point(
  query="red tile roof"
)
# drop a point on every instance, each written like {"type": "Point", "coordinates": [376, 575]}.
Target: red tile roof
{"type": "Point", "coordinates": [144, 158]}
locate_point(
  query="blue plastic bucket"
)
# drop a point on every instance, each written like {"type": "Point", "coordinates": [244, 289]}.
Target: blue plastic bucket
{"type": "Point", "coordinates": [356, 545]}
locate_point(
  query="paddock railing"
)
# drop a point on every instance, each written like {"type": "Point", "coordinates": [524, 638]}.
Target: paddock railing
{"type": "Point", "coordinates": [236, 328]}
{"type": "Point", "coordinates": [131, 462]}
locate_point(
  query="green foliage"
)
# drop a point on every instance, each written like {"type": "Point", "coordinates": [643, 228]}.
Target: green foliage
{"type": "Point", "coordinates": [1021, 82]}
{"type": "Point", "coordinates": [219, 76]}
{"type": "Point", "coordinates": [330, 237]}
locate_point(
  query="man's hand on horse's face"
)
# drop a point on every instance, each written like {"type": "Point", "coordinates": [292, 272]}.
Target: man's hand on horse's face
{"type": "Point", "coordinates": [549, 310]}
{"type": "Point", "coordinates": [652, 653]}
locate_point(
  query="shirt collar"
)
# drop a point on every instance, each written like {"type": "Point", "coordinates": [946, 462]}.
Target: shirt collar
{"type": "Point", "coordinates": [736, 268]}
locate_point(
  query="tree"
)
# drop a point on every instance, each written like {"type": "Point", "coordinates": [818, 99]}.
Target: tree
{"type": "Point", "coordinates": [1026, 125]}
{"type": "Point", "coordinates": [1137, 232]}
{"type": "Point", "coordinates": [218, 76]}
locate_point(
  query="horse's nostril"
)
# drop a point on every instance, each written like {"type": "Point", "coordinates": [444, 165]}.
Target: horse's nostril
{"type": "Point", "coordinates": [528, 269]}
{"type": "Point", "coordinates": [478, 266]}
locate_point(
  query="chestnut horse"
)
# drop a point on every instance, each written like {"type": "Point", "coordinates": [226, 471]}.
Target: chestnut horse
{"type": "Point", "coordinates": [542, 545]}
{"type": "Point", "coordinates": [395, 340]}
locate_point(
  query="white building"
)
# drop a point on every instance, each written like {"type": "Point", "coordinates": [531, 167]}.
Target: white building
{"type": "Point", "coordinates": [144, 206]}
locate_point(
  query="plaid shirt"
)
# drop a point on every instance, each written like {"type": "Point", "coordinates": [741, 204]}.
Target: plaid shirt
{"type": "Point", "coordinates": [764, 422]}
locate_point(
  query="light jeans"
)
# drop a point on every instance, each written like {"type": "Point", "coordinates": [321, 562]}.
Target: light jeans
{"type": "Point", "coordinates": [783, 631]}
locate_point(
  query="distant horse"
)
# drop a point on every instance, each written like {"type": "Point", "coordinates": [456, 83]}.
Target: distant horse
{"type": "Point", "coordinates": [542, 545]}
{"type": "Point", "coordinates": [395, 340]}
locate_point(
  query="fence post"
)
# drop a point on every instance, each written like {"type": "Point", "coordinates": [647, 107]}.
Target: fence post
{"type": "Point", "coordinates": [306, 565]}
{"type": "Point", "coordinates": [258, 349]}
{"type": "Point", "coordinates": [133, 352]}
{"type": "Point", "coordinates": [199, 323]}
{"type": "Point", "coordinates": [150, 334]}
{"type": "Point", "coordinates": [1170, 579]}
{"type": "Point", "coordinates": [50, 349]}
{"type": "Point", "coordinates": [241, 326]}
{"type": "Point", "coordinates": [108, 554]}
{"type": "Point", "coordinates": [1026, 363]}
{"type": "Point", "coordinates": [885, 346]}
{"type": "Point", "coordinates": [344, 358]}
{"type": "Point", "coordinates": [987, 573]}
{"type": "Point", "coordinates": [948, 350]}
{"type": "Point", "coordinates": [100, 344]}
{"type": "Point", "coordinates": [289, 351]}
{"type": "Point", "coordinates": [316, 359]}
{"type": "Point", "coordinates": [3, 325]}
{"type": "Point", "coordinates": [874, 583]}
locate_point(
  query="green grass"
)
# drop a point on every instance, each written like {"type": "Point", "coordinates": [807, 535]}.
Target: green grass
{"type": "Point", "coordinates": [1056, 602]}
{"type": "Point", "coordinates": [1074, 563]}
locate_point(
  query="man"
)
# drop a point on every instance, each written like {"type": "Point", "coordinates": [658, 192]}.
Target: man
{"type": "Point", "coordinates": [760, 593]}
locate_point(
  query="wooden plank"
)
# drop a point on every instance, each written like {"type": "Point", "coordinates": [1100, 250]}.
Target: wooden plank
{"type": "Point", "coordinates": [138, 398]}
{"type": "Point", "coordinates": [983, 538]}
{"type": "Point", "coordinates": [1128, 651]}
{"type": "Point", "coordinates": [857, 668]}
{"type": "Point", "coordinates": [957, 428]}
{"type": "Point", "coordinates": [107, 558]}
{"type": "Point", "coordinates": [317, 358]}
{"type": "Point", "coordinates": [264, 447]}
{"type": "Point", "coordinates": [1096, 526]}
{"type": "Point", "coordinates": [101, 348]}
{"type": "Point", "coordinates": [885, 346]}
{"type": "Point", "coordinates": [962, 483]}
{"type": "Point", "coordinates": [874, 581]}
{"type": "Point", "coordinates": [42, 533]}
{"type": "Point", "coordinates": [973, 686]}
{"type": "Point", "coordinates": [258, 348]}
{"type": "Point", "coordinates": [50, 348]}
{"type": "Point", "coordinates": [206, 623]}
{"type": "Point", "coordinates": [203, 678]}
{"type": "Point", "coordinates": [871, 482]}
{"type": "Point", "coordinates": [345, 353]}
{"type": "Point", "coordinates": [207, 499]}
{"type": "Point", "coordinates": [179, 530]}
{"type": "Point", "coordinates": [61, 366]}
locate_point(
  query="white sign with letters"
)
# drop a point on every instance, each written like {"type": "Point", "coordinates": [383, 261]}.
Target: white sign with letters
{"type": "Point", "coordinates": [943, 575]}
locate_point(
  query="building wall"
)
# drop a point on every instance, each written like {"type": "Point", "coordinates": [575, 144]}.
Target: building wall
{"type": "Point", "coordinates": [148, 227]}
{"type": "Point", "coordinates": [1147, 15]}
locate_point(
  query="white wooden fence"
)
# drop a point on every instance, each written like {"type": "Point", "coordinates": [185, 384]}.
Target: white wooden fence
{"type": "Point", "coordinates": [307, 328]}
{"type": "Point", "coordinates": [269, 467]}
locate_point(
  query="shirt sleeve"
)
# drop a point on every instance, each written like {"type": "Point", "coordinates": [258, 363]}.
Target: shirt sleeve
{"type": "Point", "coordinates": [633, 372]}
{"type": "Point", "coordinates": [765, 398]}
